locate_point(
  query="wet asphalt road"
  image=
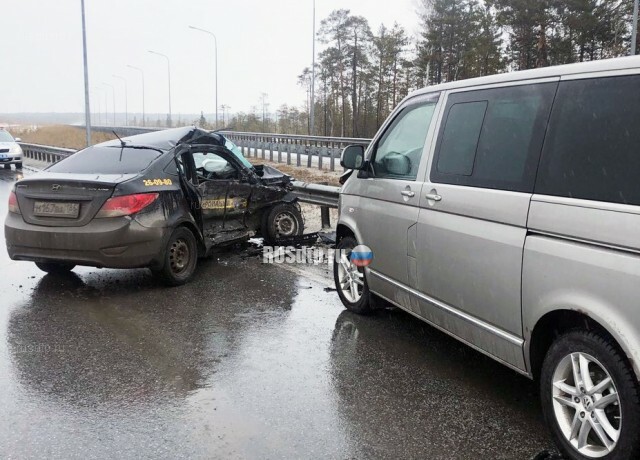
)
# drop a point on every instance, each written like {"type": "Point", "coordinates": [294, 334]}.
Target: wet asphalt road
{"type": "Point", "coordinates": [247, 361]}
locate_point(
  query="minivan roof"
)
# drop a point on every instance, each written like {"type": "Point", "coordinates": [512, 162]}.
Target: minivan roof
{"type": "Point", "coordinates": [602, 65]}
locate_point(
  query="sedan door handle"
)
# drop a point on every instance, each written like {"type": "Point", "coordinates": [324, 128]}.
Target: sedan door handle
{"type": "Point", "coordinates": [408, 193]}
{"type": "Point", "coordinates": [433, 197]}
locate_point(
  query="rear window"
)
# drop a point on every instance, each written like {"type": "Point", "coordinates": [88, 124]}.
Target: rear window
{"type": "Point", "coordinates": [592, 150]}
{"type": "Point", "coordinates": [106, 160]}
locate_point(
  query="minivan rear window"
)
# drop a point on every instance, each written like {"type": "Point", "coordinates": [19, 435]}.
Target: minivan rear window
{"type": "Point", "coordinates": [592, 150]}
{"type": "Point", "coordinates": [106, 160]}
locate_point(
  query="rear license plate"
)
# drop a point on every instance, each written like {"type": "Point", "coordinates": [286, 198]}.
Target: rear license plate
{"type": "Point", "coordinates": [56, 209]}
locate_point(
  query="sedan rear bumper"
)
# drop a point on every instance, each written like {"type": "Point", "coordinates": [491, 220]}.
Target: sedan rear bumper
{"type": "Point", "coordinates": [110, 243]}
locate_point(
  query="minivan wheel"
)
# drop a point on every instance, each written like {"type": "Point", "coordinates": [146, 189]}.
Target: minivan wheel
{"type": "Point", "coordinates": [590, 398]}
{"type": "Point", "coordinates": [55, 268]}
{"type": "Point", "coordinates": [350, 280]}
{"type": "Point", "coordinates": [180, 258]}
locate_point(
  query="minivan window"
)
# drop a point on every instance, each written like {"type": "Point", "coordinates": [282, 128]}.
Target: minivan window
{"type": "Point", "coordinates": [493, 138]}
{"type": "Point", "coordinates": [460, 138]}
{"type": "Point", "coordinates": [592, 150]}
{"type": "Point", "coordinates": [399, 150]}
{"type": "Point", "coordinates": [106, 160]}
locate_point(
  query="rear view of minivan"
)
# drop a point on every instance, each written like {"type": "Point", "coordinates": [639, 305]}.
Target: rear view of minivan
{"type": "Point", "coordinates": [505, 211]}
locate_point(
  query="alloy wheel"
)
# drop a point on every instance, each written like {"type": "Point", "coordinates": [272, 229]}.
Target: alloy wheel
{"type": "Point", "coordinates": [586, 405]}
{"type": "Point", "coordinates": [350, 279]}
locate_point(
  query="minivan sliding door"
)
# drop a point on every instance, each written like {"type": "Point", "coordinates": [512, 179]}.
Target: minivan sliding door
{"type": "Point", "coordinates": [473, 216]}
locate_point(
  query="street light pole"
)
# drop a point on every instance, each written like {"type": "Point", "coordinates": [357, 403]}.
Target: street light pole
{"type": "Point", "coordinates": [169, 80]}
{"type": "Point", "coordinates": [634, 34]}
{"type": "Point", "coordinates": [312, 106]}
{"type": "Point", "coordinates": [142, 74]}
{"type": "Point", "coordinates": [113, 94]}
{"type": "Point", "coordinates": [87, 108]}
{"type": "Point", "coordinates": [126, 104]}
{"type": "Point", "coordinates": [215, 45]}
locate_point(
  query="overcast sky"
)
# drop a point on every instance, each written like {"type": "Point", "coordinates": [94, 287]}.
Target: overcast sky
{"type": "Point", "coordinates": [263, 45]}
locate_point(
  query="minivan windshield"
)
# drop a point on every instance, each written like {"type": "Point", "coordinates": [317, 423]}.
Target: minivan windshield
{"type": "Point", "coordinates": [107, 160]}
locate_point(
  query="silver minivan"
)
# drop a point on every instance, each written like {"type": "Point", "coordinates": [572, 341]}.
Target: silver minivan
{"type": "Point", "coordinates": [505, 211]}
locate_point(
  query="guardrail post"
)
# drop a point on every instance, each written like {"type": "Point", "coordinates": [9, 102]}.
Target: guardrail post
{"type": "Point", "coordinates": [325, 217]}
{"type": "Point", "coordinates": [332, 160]}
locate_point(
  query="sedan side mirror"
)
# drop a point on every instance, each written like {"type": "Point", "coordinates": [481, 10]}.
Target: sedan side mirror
{"type": "Point", "coordinates": [352, 157]}
{"type": "Point", "coordinates": [17, 139]}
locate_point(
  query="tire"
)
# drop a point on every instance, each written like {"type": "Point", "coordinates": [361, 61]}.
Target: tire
{"type": "Point", "coordinates": [361, 300]}
{"type": "Point", "coordinates": [282, 220]}
{"type": "Point", "coordinates": [574, 406]}
{"type": "Point", "coordinates": [55, 268]}
{"type": "Point", "coordinates": [7, 166]}
{"type": "Point", "coordinates": [180, 258]}
{"type": "Point", "coordinates": [19, 165]}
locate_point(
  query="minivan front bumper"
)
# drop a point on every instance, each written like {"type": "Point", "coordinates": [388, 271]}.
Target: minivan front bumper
{"type": "Point", "coordinates": [120, 242]}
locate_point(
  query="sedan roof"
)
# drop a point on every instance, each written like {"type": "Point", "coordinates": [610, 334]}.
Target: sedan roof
{"type": "Point", "coordinates": [166, 139]}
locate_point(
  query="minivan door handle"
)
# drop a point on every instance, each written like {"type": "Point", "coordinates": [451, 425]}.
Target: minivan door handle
{"type": "Point", "coordinates": [433, 197]}
{"type": "Point", "coordinates": [408, 193]}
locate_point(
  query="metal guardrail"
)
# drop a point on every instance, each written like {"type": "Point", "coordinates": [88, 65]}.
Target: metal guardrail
{"type": "Point", "coordinates": [44, 153]}
{"type": "Point", "coordinates": [321, 195]}
{"type": "Point", "coordinates": [282, 147]}
{"type": "Point", "coordinates": [304, 151]}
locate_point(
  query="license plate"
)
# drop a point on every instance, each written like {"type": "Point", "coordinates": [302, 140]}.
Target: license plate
{"type": "Point", "coordinates": [56, 209]}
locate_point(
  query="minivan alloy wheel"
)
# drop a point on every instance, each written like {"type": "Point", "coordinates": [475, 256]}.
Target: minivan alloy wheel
{"type": "Point", "coordinates": [586, 405]}
{"type": "Point", "coordinates": [351, 280]}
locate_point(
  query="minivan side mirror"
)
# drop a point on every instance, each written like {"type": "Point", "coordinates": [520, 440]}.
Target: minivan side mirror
{"type": "Point", "coordinates": [17, 139]}
{"type": "Point", "coordinates": [352, 157]}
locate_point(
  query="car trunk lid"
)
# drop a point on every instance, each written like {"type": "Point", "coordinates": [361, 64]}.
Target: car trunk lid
{"type": "Point", "coordinates": [65, 200]}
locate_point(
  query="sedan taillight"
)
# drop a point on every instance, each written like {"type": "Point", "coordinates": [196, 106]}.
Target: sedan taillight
{"type": "Point", "coordinates": [13, 203]}
{"type": "Point", "coordinates": [126, 205]}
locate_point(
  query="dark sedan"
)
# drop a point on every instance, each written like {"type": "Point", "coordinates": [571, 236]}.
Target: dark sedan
{"type": "Point", "coordinates": [158, 200]}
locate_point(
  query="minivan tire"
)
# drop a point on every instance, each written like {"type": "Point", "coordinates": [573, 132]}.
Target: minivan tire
{"type": "Point", "coordinates": [364, 305]}
{"type": "Point", "coordinates": [179, 259]}
{"type": "Point", "coordinates": [609, 358]}
{"type": "Point", "coordinates": [55, 268]}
